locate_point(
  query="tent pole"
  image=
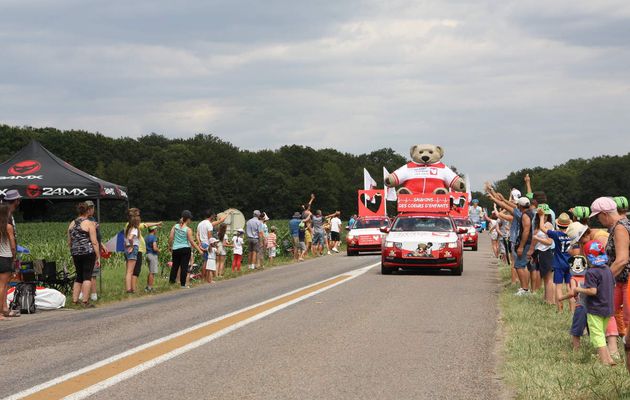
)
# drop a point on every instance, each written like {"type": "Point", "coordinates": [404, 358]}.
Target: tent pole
{"type": "Point", "coordinates": [98, 210]}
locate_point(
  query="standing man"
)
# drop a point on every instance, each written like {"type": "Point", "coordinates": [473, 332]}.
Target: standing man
{"type": "Point", "coordinates": [97, 267]}
{"type": "Point", "coordinates": [294, 230]}
{"type": "Point", "coordinates": [254, 231]}
{"type": "Point", "coordinates": [335, 231]}
{"type": "Point", "coordinates": [205, 231]}
{"type": "Point", "coordinates": [318, 233]}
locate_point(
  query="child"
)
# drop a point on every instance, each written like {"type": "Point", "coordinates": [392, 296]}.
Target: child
{"type": "Point", "coordinates": [237, 243]}
{"type": "Point", "coordinates": [578, 270]}
{"type": "Point", "coordinates": [211, 264]}
{"type": "Point", "coordinates": [598, 288]}
{"type": "Point", "coordinates": [271, 244]}
{"type": "Point", "coordinates": [152, 257]}
{"type": "Point", "coordinates": [562, 245]}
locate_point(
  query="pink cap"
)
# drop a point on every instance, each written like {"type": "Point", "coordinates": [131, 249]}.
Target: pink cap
{"type": "Point", "coordinates": [603, 204]}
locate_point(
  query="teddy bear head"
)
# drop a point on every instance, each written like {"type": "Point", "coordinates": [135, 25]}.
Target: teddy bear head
{"type": "Point", "coordinates": [426, 153]}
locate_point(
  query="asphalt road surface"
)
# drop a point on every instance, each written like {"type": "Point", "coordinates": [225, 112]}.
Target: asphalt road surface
{"type": "Point", "coordinates": [404, 336]}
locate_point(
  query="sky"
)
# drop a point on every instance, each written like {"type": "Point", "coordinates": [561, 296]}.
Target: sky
{"type": "Point", "coordinates": [500, 85]}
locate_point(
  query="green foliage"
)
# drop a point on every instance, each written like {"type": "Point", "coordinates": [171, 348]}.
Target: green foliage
{"type": "Point", "coordinates": [576, 182]}
{"type": "Point", "coordinates": [165, 176]}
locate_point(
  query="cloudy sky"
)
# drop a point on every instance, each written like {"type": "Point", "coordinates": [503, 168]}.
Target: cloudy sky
{"type": "Point", "coordinates": [501, 85]}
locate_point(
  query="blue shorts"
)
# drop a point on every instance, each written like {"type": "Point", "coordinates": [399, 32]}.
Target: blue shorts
{"type": "Point", "coordinates": [318, 238]}
{"type": "Point", "coordinates": [204, 246]}
{"type": "Point", "coordinates": [561, 276]}
{"type": "Point", "coordinates": [579, 321]}
{"type": "Point", "coordinates": [133, 255]}
{"type": "Point", "coordinates": [521, 262]}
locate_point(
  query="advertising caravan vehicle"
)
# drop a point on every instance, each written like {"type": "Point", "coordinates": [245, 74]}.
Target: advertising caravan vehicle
{"type": "Point", "coordinates": [365, 234]}
{"type": "Point", "coordinates": [423, 236]}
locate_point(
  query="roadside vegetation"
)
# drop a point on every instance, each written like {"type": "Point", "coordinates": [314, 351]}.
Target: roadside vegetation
{"type": "Point", "coordinates": [47, 241]}
{"type": "Point", "coordinates": [539, 362]}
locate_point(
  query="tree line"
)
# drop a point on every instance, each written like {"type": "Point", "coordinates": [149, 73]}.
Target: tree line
{"type": "Point", "coordinates": [164, 176]}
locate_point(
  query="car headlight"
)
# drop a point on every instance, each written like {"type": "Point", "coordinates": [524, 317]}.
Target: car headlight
{"type": "Point", "coordinates": [452, 245]}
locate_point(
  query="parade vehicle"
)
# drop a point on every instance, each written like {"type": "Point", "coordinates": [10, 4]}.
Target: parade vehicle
{"type": "Point", "coordinates": [423, 236]}
{"type": "Point", "coordinates": [365, 235]}
{"type": "Point", "coordinates": [471, 237]}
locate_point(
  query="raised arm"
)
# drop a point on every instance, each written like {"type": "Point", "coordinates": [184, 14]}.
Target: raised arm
{"type": "Point", "coordinates": [528, 183]}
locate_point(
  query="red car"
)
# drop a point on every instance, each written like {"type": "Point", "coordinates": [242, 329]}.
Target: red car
{"type": "Point", "coordinates": [365, 234]}
{"type": "Point", "coordinates": [423, 241]}
{"type": "Point", "coordinates": [471, 237]}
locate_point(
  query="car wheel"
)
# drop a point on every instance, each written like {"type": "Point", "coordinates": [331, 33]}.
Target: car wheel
{"type": "Point", "coordinates": [459, 270]}
{"type": "Point", "coordinates": [386, 271]}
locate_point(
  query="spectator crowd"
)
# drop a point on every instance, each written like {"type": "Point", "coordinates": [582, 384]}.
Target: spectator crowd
{"type": "Point", "coordinates": [579, 258]}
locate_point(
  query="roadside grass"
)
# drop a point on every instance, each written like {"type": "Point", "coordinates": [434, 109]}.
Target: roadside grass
{"type": "Point", "coordinates": [47, 241]}
{"type": "Point", "coordinates": [539, 362]}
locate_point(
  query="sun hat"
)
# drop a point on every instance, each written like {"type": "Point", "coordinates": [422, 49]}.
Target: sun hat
{"type": "Point", "coordinates": [581, 212]}
{"type": "Point", "coordinates": [563, 220]}
{"type": "Point", "coordinates": [603, 204]}
{"type": "Point", "coordinates": [523, 202]}
{"type": "Point", "coordinates": [575, 231]}
{"type": "Point", "coordinates": [12, 195]}
{"type": "Point", "coordinates": [621, 201]}
{"type": "Point", "coordinates": [545, 208]}
{"type": "Point", "coordinates": [296, 215]}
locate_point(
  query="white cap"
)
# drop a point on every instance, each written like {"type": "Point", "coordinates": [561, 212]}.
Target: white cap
{"type": "Point", "coordinates": [523, 202]}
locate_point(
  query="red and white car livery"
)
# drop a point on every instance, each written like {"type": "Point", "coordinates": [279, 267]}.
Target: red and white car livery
{"type": "Point", "coordinates": [422, 240]}
{"type": "Point", "coordinates": [365, 234]}
{"type": "Point", "coordinates": [471, 237]}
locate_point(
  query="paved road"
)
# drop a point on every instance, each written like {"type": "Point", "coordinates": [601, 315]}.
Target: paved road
{"type": "Point", "coordinates": [403, 336]}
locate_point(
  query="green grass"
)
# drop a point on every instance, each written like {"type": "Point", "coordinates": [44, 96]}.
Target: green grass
{"type": "Point", "coordinates": [48, 241]}
{"type": "Point", "coordinates": [539, 362]}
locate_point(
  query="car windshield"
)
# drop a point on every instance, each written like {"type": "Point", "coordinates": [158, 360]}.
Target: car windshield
{"type": "Point", "coordinates": [369, 223]}
{"type": "Point", "coordinates": [422, 224]}
{"type": "Point", "coordinates": [464, 223]}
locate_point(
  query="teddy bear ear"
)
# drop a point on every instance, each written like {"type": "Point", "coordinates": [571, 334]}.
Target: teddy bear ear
{"type": "Point", "coordinates": [413, 149]}
{"type": "Point", "coordinates": [440, 150]}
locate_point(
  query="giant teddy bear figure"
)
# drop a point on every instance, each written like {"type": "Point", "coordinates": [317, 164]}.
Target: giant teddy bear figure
{"type": "Point", "coordinates": [425, 173]}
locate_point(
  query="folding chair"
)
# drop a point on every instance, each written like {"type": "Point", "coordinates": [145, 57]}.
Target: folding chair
{"type": "Point", "coordinates": [58, 280]}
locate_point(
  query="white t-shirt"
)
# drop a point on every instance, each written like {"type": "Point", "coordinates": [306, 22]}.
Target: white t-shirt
{"type": "Point", "coordinates": [542, 235]}
{"type": "Point", "coordinates": [335, 224]}
{"type": "Point", "coordinates": [134, 241]}
{"type": "Point", "coordinates": [238, 244]}
{"type": "Point", "coordinates": [204, 230]}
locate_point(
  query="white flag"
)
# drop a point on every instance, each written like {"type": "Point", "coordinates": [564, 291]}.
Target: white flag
{"type": "Point", "coordinates": [368, 182]}
{"type": "Point", "coordinates": [390, 192]}
{"type": "Point", "coordinates": [468, 188]}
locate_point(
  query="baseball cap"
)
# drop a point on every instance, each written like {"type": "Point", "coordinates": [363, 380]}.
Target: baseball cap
{"type": "Point", "coordinates": [212, 241]}
{"type": "Point", "coordinates": [89, 203]}
{"type": "Point", "coordinates": [545, 208]}
{"type": "Point", "coordinates": [153, 228]}
{"type": "Point", "coordinates": [523, 202]}
{"type": "Point", "coordinates": [603, 204]}
{"type": "Point", "coordinates": [621, 201]}
{"type": "Point", "coordinates": [563, 220]}
{"type": "Point", "coordinates": [475, 201]}
{"type": "Point", "coordinates": [12, 195]}
{"type": "Point", "coordinates": [595, 253]}
{"type": "Point", "coordinates": [575, 231]}
{"type": "Point", "coordinates": [581, 212]}
{"type": "Point", "coordinates": [240, 230]}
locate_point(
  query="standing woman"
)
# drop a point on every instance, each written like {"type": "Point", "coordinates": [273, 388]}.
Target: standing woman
{"type": "Point", "coordinates": [180, 241]}
{"type": "Point", "coordinates": [7, 257]}
{"type": "Point", "coordinates": [221, 249]}
{"type": "Point", "coordinates": [85, 253]}
{"type": "Point", "coordinates": [132, 245]}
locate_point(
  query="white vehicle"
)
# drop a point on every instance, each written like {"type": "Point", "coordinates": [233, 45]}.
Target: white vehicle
{"type": "Point", "coordinates": [365, 235]}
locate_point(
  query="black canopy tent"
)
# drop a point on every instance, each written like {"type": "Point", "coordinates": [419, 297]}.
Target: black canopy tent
{"type": "Point", "coordinates": [38, 174]}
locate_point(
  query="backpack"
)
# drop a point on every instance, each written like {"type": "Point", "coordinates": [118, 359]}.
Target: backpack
{"type": "Point", "coordinates": [24, 298]}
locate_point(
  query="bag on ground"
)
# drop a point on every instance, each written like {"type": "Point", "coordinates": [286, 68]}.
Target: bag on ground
{"type": "Point", "coordinates": [24, 298]}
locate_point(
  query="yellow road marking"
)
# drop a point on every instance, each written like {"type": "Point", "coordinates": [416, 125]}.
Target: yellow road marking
{"type": "Point", "coordinates": [95, 376]}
